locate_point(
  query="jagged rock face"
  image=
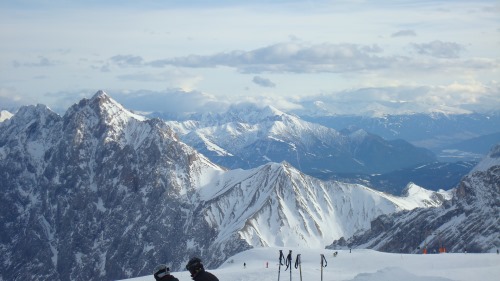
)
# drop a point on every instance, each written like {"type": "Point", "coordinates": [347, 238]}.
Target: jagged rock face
{"type": "Point", "coordinates": [96, 194]}
{"type": "Point", "coordinates": [469, 221]}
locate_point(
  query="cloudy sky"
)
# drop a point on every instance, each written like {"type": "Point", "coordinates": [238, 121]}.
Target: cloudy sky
{"type": "Point", "coordinates": [351, 56]}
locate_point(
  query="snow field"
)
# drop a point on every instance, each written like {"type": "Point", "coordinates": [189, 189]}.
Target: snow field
{"type": "Point", "coordinates": [360, 265]}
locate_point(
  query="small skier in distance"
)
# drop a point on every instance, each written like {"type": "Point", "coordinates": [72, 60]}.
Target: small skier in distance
{"type": "Point", "coordinates": [244, 265]}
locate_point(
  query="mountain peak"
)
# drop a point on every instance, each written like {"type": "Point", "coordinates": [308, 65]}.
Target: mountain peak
{"type": "Point", "coordinates": [100, 94]}
{"type": "Point", "coordinates": [104, 100]}
{"type": "Point", "coordinates": [411, 188]}
{"type": "Point", "coordinates": [105, 106]}
{"type": "Point", "coordinates": [101, 97]}
{"type": "Point", "coordinates": [31, 112]}
{"type": "Point", "coordinates": [253, 113]}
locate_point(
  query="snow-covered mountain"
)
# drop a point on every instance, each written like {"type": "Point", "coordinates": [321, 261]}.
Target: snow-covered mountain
{"type": "Point", "coordinates": [248, 136]}
{"type": "Point", "coordinates": [276, 205]}
{"type": "Point", "coordinates": [101, 193]}
{"type": "Point", "coordinates": [470, 221]}
{"type": "Point", "coordinates": [95, 194]}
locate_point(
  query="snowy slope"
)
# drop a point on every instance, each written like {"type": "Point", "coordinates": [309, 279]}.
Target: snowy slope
{"type": "Point", "coordinates": [425, 198]}
{"type": "Point", "coordinates": [276, 205]}
{"type": "Point", "coordinates": [360, 265]}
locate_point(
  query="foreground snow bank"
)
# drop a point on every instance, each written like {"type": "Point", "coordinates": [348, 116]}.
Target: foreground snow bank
{"type": "Point", "coordinates": [360, 265]}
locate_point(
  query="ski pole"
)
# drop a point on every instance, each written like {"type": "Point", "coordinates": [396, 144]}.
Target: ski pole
{"type": "Point", "coordinates": [323, 264]}
{"type": "Point", "coordinates": [289, 263]}
{"type": "Point", "coordinates": [280, 261]}
{"type": "Point", "coordinates": [298, 263]}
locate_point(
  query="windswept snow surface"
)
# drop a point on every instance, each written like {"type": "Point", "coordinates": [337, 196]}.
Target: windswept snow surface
{"type": "Point", "coordinates": [360, 265]}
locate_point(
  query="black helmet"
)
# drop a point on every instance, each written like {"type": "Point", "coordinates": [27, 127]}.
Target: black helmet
{"type": "Point", "coordinates": [194, 264]}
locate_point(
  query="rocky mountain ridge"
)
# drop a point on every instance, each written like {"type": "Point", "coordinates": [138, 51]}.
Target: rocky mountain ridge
{"type": "Point", "coordinates": [468, 222]}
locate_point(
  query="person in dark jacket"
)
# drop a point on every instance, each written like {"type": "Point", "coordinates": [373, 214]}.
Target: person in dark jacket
{"type": "Point", "coordinates": [162, 273]}
{"type": "Point", "coordinates": [198, 273]}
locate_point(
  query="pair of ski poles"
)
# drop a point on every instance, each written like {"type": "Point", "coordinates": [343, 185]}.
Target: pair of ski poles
{"type": "Point", "coordinates": [298, 264]}
{"type": "Point", "coordinates": [287, 262]}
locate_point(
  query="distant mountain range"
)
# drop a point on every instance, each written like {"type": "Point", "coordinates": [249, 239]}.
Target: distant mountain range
{"type": "Point", "coordinates": [247, 136]}
{"type": "Point", "coordinates": [101, 193]}
{"type": "Point", "coordinates": [368, 150]}
{"type": "Point", "coordinates": [358, 149]}
{"type": "Point", "coordinates": [433, 176]}
{"type": "Point", "coordinates": [446, 135]}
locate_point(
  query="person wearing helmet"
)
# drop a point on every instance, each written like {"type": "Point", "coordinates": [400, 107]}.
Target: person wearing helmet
{"type": "Point", "coordinates": [198, 273]}
{"type": "Point", "coordinates": [162, 273]}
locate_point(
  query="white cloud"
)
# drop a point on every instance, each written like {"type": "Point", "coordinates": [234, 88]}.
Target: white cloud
{"type": "Point", "coordinates": [127, 60]}
{"type": "Point", "coordinates": [42, 62]}
{"type": "Point", "coordinates": [294, 57]}
{"type": "Point", "coordinates": [439, 49]}
{"type": "Point", "coordinates": [300, 57]}
{"type": "Point", "coordinates": [173, 78]}
{"type": "Point", "coordinates": [282, 103]}
{"type": "Point", "coordinates": [452, 98]}
{"type": "Point", "coordinates": [457, 97]}
{"type": "Point", "coordinates": [332, 47]}
{"type": "Point", "coordinates": [404, 33]}
{"type": "Point", "coordinates": [11, 100]}
{"type": "Point", "coordinates": [263, 82]}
